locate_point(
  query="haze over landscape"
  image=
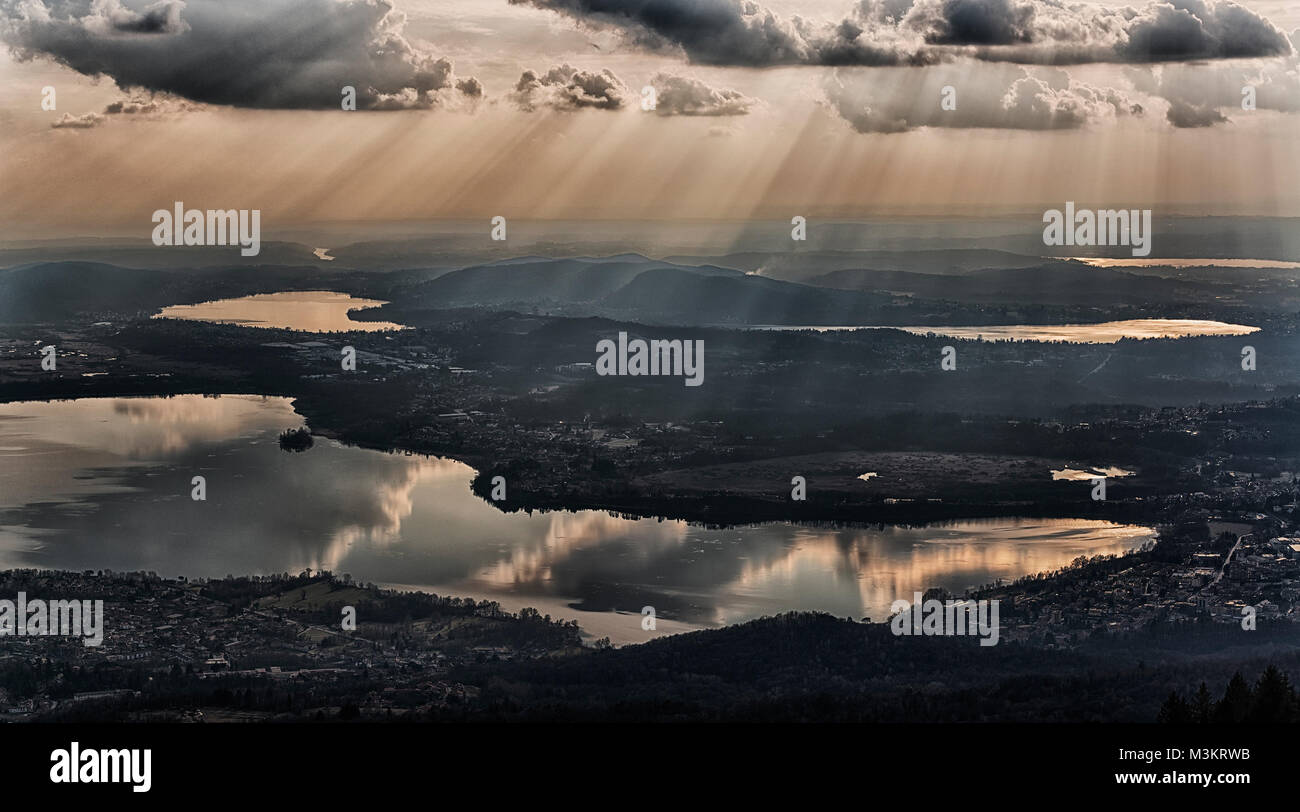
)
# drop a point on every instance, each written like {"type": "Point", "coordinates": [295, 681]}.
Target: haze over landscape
{"type": "Point", "coordinates": [869, 373]}
{"type": "Point", "coordinates": [532, 110]}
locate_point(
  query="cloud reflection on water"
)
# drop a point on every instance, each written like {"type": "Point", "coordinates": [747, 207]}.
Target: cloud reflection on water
{"type": "Point", "coordinates": [105, 483]}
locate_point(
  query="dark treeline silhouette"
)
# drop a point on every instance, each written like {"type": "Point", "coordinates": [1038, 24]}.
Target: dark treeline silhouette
{"type": "Point", "coordinates": [1272, 700]}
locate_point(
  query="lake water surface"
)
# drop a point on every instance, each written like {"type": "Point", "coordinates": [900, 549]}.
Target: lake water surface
{"type": "Point", "coordinates": [323, 311]}
{"type": "Point", "coordinates": [105, 483]}
{"type": "Point", "coordinates": [314, 311]}
{"type": "Point", "coordinates": [1179, 262]}
{"type": "Point", "coordinates": [1107, 332]}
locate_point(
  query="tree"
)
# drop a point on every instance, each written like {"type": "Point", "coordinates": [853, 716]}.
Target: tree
{"type": "Point", "coordinates": [1274, 699]}
{"type": "Point", "coordinates": [1203, 705]}
{"type": "Point", "coordinates": [1175, 711]}
{"type": "Point", "coordinates": [1236, 702]}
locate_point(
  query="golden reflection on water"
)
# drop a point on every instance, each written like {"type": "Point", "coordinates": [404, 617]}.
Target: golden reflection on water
{"type": "Point", "coordinates": [105, 483]}
{"type": "Point", "coordinates": [568, 533]}
{"type": "Point", "coordinates": [1076, 475]}
{"type": "Point", "coordinates": [139, 428]}
{"type": "Point", "coordinates": [868, 569]}
{"type": "Point", "coordinates": [1107, 332]}
{"type": "Point", "coordinates": [311, 311]}
{"type": "Point", "coordinates": [1149, 262]}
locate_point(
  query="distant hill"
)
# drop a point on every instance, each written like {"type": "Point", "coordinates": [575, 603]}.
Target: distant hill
{"type": "Point", "coordinates": [811, 667]}
{"type": "Point", "coordinates": [802, 265]}
{"type": "Point", "coordinates": [143, 254]}
{"type": "Point", "coordinates": [560, 281]}
{"type": "Point", "coordinates": [668, 294]}
{"type": "Point", "coordinates": [1056, 283]}
{"type": "Point", "coordinates": [625, 287]}
{"type": "Point", "coordinates": [637, 288]}
{"type": "Point", "coordinates": [52, 291]}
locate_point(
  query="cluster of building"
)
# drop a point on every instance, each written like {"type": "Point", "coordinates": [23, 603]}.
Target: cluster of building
{"type": "Point", "coordinates": [1256, 581]}
{"type": "Point", "coordinates": [163, 631]}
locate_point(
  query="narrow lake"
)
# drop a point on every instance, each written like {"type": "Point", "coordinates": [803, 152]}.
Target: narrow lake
{"type": "Point", "coordinates": [313, 311]}
{"type": "Point", "coordinates": [323, 311]}
{"type": "Point", "coordinates": [1107, 332]}
{"type": "Point", "coordinates": [105, 483]}
{"type": "Point", "coordinates": [1178, 262]}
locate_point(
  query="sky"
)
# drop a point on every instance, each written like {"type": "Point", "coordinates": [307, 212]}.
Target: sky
{"type": "Point", "coordinates": [532, 109]}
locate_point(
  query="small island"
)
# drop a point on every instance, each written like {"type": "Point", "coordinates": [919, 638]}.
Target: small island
{"type": "Point", "coordinates": [296, 439]}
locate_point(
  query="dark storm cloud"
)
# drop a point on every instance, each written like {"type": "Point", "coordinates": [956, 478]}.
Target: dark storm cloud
{"type": "Point", "coordinates": [732, 32]}
{"type": "Point", "coordinates": [1054, 32]}
{"type": "Point", "coordinates": [921, 32]}
{"type": "Point", "coordinates": [1200, 29]}
{"type": "Point", "coordinates": [160, 18]}
{"type": "Point", "coordinates": [568, 89]}
{"type": "Point", "coordinates": [974, 22]}
{"type": "Point", "coordinates": [244, 53]}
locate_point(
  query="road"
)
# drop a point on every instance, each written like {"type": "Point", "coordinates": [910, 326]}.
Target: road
{"type": "Point", "coordinates": [1228, 560]}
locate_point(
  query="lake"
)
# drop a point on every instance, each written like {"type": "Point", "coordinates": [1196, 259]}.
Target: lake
{"type": "Point", "coordinates": [313, 311]}
{"type": "Point", "coordinates": [1148, 262]}
{"type": "Point", "coordinates": [1076, 475]}
{"type": "Point", "coordinates": [104, 483]}
{"type": "Point", "coordinates": [1107, 332]}
{"type": "Point", "coordinates": [323, 311]}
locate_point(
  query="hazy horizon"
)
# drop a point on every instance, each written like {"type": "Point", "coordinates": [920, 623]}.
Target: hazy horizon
{"type": "Point", "coordinates": [531, 110]}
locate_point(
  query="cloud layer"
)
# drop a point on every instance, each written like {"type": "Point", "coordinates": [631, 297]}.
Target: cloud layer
{"type": "Point", "coordinates": [922, 32]}
{"type": "Point", "coordinates": [568, 89]}
{"type": "Point", "coordinates": [68, 121]}
{"type": "Point", "coordinates": [686, 96]}
{"type": "Point", "coordinates": [1002, 97]}
{"type": "Point", "coordinates": [245, 53]}
{"type": "Point", "coordinates": [1204, 94]}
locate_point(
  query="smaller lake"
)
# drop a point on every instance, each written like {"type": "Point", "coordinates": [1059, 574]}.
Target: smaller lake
{"type": "Point", "coordinates": [1107, 332]}
{"type": "Point", "coordinates": [1076, 475]}
{"type": "Point", "coordinates": [324, 311]}
{"type": "Point", "coordinates": [311, 311]}
{"type": "Point", "coordinates": [1147, 262]}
